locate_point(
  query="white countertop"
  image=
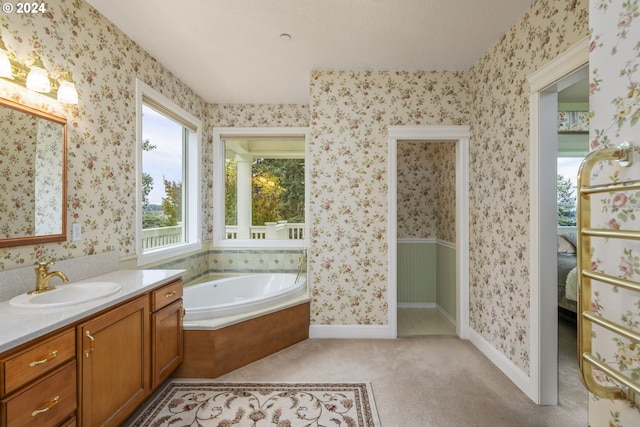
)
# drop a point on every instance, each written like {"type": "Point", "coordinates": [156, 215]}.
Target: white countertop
{"type": "Point", "coordinates": [18, 326]}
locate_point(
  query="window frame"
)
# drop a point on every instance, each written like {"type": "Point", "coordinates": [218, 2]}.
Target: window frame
{"type": "Point", "coordinates": [192, 193]}
{"type": "Point", "coordinates": [219, 234]}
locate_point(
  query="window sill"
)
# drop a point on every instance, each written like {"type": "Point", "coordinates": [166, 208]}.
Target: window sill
{"type": "Point", "coordinates": [163, 254]}
{"type": "Point", "coordinates": [247, 243]}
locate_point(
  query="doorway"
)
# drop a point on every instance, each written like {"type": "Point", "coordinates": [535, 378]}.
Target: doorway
{"type": "Point", "coordinates": [545, 84]}
{"type": "Point", "coordinates": [426, 238]}
{"type": "Point", "coordinates": [459, 135]}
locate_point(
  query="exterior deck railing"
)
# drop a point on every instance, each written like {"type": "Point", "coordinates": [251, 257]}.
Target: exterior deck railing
{"type": "Point", "coordinates": [161, 236]}
{"type": "Point", "coordinates": [280, 230]}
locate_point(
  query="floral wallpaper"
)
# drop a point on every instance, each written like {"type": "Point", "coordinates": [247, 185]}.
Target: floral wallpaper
{"type": "Point", "coordinates": [615, 103]}
{"type": "Point", "coordinates": [426, 190]}
{"type": "Point", "coordinates": [48, 178]}
{"type": "Point", "coordinates": [17, 186]}
{"type": "Point", "coordinates": [499, 171]}
{"type": "Point", "coordinates": [446, 191]}
{"type": "Point", "coordinates": [350, 112]}
{"type": "Point", "coordinates": [104, 64]}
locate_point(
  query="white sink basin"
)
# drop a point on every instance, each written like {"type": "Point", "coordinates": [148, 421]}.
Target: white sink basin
{"type": "Point", "coordinates": [65, 295]}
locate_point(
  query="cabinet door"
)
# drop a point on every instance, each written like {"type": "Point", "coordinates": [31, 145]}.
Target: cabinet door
{"type": "Point", "coordinates": [167, 352]}
{"type": "Point", "coordinates": [114, 364]}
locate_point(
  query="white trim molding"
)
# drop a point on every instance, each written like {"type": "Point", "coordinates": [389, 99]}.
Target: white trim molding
{"type": "Point", "coordinates": [350, 331]}
{"type": "Point", "coordinates": [515, 374]}
{"type": "Point", "coordinates": [459, 135]}
{"type": "Point", "coordinates": [543, 100]}
{"type": "Point", "coordinates": [219, 133]}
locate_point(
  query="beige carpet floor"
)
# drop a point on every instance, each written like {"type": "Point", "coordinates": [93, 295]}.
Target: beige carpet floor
{"type": "Point", "coordinates": [423, 321]}
{"type": "Point", "coordinates": [425, 381]}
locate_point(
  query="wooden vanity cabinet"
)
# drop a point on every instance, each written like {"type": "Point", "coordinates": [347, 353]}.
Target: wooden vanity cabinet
{"type": "Point", "coordinates": [96, 371]}
{"type": "Point", "coordinates": [114, 364]}
{"type": "Point", "coordinates": [166, 331]}
{"type": "Point", "coordinates": [38, 383]}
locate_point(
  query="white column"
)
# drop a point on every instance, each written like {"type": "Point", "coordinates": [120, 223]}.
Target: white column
{"type": "Point", "coordinates": [243, 204]}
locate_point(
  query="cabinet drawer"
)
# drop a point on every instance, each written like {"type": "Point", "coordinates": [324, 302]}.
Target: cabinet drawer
{"type": "Point", "coordinates": [46, 403]}
{"type": "Point", "coordinates": [26, 366]}
{"type": "Point", "coordinates": [165, 295]}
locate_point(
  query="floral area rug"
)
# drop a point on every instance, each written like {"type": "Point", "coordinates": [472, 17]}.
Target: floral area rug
{"type": "Point", "coordinates": [209, 404]}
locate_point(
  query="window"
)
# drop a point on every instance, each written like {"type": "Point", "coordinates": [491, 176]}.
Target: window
{"type": "Point", "coordinates": [567, 193]}
{"type": "Point", "coordinates": [168, 178]}
{"type": "Point", "coordinates": [260, 198]}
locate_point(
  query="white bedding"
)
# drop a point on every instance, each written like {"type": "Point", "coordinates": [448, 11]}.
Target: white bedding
{"type": "Point", "coordinates": [571, 285]}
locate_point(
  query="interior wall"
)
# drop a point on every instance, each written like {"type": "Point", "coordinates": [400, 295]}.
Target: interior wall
{"type": "Point", "coordinates": [615, 104]}
{"type": "Point", "coordinates": [426, 185]}
{"type": "Point", "coordinates": [101, 143]}
{"type": "Point", "coordinates": [101, 132]}
{"type": "Point", "coordinates": [350, 112]}
{"type": "Point", "coordinates": [499, 172]}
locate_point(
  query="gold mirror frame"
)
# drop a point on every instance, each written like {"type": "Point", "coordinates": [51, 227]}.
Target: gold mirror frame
{"type": "Point", "coordinates": [54, 237]}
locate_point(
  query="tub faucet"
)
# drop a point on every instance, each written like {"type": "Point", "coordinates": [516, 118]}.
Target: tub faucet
{"type": "Point", "coordinates": [301, 263]}
{"type": "Point", "coordinates": [43, 276]}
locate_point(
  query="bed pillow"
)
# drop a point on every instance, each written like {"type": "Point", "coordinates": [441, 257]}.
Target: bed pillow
{"type": "Point", "coordinates": [565, 246]}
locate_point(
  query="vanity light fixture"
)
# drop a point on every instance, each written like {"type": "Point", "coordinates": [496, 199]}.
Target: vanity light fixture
{"type": "Point", "coordinates": [67, 92]}
{"type": "Point", "coordinates": [33, 75]}
{"type": "Point", "coordinates": [38, 79]}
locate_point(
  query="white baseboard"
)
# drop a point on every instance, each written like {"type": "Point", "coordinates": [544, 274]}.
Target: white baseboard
{"type": "Point", "coordinates": [350, 331]}
{"type": "Point", "coordinates": [446, 315]}
{"type": "Point", "coordinates": [515, 374]}
{"type": "Point", "coordinates": [416, 305]}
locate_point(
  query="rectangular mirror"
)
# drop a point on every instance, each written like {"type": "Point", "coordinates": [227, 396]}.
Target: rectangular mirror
{"type": "Point", "coordinates": [33, 185]}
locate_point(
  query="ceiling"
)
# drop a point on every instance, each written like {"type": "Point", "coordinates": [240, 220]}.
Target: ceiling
{"type": "Point", "coordinates": [231, 51]}
{"type": "Point", "coordinates": [576, 93]}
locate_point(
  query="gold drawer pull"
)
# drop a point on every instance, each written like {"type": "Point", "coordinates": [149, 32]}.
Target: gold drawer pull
{"type": "Point", "coordinates": [184, 311]}
{"type": "Point", "coordinates": [47, 358]}
{"type": "Point", "coordinates": [169, 294]}
{"type": "Point", "coordinates": [51, 404]}
{"type": "Point", "coordinates": [92, 343]}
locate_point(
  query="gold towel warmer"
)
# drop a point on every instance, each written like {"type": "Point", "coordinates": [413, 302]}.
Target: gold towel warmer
{"type": "Point", "coordinates": [626, 389]}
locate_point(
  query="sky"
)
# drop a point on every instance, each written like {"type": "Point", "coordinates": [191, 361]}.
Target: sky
{"type": "Point", "coordinates": [568, 167]}
{"type": "Point", "coordinates": [166, 159]}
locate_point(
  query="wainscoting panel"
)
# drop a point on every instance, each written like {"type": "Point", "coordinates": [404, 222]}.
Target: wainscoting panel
{"type": "Point", "coordinates": [417, 267]}
{"type": "Point", "coordinates": [446, 278]}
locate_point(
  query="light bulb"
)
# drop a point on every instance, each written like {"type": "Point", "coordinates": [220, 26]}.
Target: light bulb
{"type": "Point", "coordinates": [38, 80]}
{"type": "Point", "coordinates": [67, 92]}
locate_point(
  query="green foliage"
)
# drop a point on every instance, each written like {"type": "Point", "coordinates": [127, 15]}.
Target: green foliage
{"type": "Point", "coordinates": [277, 191]}
{"type": "Point", "coordinates": [265, 201]}
{"type": "Point", "coordinates": [566, 202]}
{"type": "Point", "coordinates": [172, 203]}
{"type": "Point", "coordinates": [147, 180]}
{"type": "Point", "coordinates": [230, 192]}
{"type": "Point", "coordinates": [151, 220]}
{"type": "Point", "coordinates": [290, 174]}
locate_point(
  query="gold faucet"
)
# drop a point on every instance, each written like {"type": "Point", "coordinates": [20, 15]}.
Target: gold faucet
{"type": "Point", "coordinates": [43, 276]}
{"type": "Point", "coordinates": [301, 263]}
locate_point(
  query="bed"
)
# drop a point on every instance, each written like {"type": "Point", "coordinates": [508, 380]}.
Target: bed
{"type": "Point", "coordinates": [567, 280]}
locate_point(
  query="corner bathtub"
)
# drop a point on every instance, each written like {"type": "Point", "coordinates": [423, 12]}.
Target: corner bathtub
{"type": "Point", "coordinates": [233, 322]}
{"type": "Point", "coordinates": [242, 294]}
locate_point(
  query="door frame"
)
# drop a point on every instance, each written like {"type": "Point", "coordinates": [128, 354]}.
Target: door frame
{"type": "Point", "coordinates": [460, 136]}
{"type": "Point", "coordinates": [543, 387]}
